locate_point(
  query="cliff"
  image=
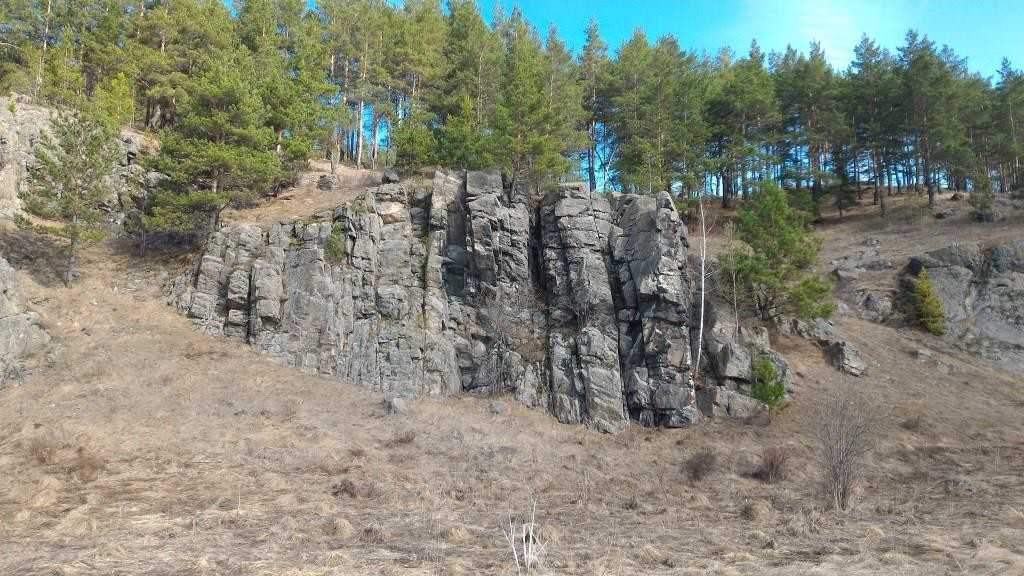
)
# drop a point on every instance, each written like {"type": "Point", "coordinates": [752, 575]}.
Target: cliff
{"type": "Point", "coordinates": [579, 302]}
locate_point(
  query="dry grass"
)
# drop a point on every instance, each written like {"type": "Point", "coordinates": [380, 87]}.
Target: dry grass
{"type": "Point", "coordinates": [211, 460]}
{"type": "Point", "coordinates": [305, 199]}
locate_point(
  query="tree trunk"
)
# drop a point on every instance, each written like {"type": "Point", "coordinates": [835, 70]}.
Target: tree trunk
{"type": "Point", "coordinates": [69, 265]}
{"type": "Point", "coordinates": [375, 146]}
{"type": "Point", "coordinates": [929, 181]}
{"type": "Point", "coordinates": [334, 150]}
{"type": "Point", "coordinates": [879, 191]}
{"type": "Point", "coordinates": [42, 54]}
{"type": "Point", "coordinates": [359, 135]}
{"type": "Point", "coordinates": [703, 261]}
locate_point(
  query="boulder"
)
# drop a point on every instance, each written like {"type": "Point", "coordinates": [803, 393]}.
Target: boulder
{"type": "Point", "coordinates": [395, 406]}
{"type": "Point", "coordinates": [841, 354]}
{"type": "Point", "coordinates": [876, 306]}
{"type": "Point", "coordinates": [327, 182]}
{"type": "Point", "coordinates": [846, 358]}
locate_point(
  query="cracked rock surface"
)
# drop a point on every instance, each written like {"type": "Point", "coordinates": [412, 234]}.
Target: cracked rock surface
{"type": "Point", "coordinates": [413, 287]}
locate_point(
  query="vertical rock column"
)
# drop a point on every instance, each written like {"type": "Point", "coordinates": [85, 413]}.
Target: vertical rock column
{"type": "Point", "coordinates": [498, 286]}
{"type": "Point", "coordinates": [649, 253]}
{"type": "Point", "coordinates": [582, 328]}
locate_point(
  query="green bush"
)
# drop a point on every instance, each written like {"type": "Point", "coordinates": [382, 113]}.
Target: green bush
{"type": "Point", "coordinates": [336, 249]}
{"type": "Point", "coordinates": [927, 307]}
{"type": "Point", "coordinates": [982, 199]}
{"type": "Point", "coordinates": [768, 387]}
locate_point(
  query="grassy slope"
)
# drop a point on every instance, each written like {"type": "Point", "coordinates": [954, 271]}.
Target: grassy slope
{"type": "Point", "coordinates": [144, 447]}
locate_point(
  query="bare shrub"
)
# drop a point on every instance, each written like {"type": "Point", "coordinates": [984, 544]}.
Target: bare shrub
{"type": "Point", "coordinates": [345, 487]}
{"type": "Point", "coordinates": [522, 535]}
{"type": "Point", "coordinates": [374, 533]}
{"type": "Point", "coordinates": [350, 489]}
{"type": "Point", "coordinates": [843, 433]}
{"type": "Point", "coordinates": [773, 466]}
{"type": "Point", "coordinates": [701, 465]}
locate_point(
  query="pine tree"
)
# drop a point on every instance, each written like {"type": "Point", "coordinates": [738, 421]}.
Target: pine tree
{"type": "Point", "coordinates": [114, 102]}
{"type": "Point", "coordinates": [221, 149]}
{"type": "Point", "coordinates": [982, 198]}
{"type": "Point", "coordinates": [466, 105]}
{"type": "Point", "coordinates": [767, 384]}
{"type": "Point", "coordinates": [593, 68]}
{"type": "Point", "coordinates": [70, 181]}
{"type": "Point", "coordinates": [774, 264]}
{"type": "Point", "coordinates": [524, 119]}
{"type": "Point", "coordinates": [927, 306]}
{"type": "Point", "coordinates": [871, 106]}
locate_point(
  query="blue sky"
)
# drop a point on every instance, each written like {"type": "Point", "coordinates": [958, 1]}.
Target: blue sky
{"type": "Point", "coordinates": [982, 30]}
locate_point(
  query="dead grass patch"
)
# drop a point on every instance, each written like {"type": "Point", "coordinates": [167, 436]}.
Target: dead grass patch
{"type": "Point", "coordinates": [701, 464]}
{"type": "Point", "coordinates": [456, 534]}
{"type": "Point", "coordinates": [347, 488]}
{"type": "Point", "coordinates": [753, 510]}
{"type": "Point", "coordinates": [86, 466]}
{"type": "Point", "coordinates": [42, 449]}
{"type": "Point", "coordinates": [374, 533]}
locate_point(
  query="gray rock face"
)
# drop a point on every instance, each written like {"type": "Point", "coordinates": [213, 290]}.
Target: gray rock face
{"type": "Point", "coordinates": [840, 353]}
{"type": "Point", "coordinates": [730, 351]}
{"type": "Point", "coordinates": [19, 131]}
{"type": "Point", "coordinates": [982, 293]}
{"type": "Point", "coordinates": [867, 259]}
{"type": "Point", "coordinates": [22, 125]}
{"type": "Point", "coordinates": [419, 287]}
{"type": "Point", "coordinates": [20, 333]}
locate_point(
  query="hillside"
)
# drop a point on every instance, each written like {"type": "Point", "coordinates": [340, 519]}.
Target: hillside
{"type": "Point", "coordinates": [144, 446]}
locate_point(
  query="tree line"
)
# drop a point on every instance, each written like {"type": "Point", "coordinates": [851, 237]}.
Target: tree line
{"type": "Point", "coordinates": [242, 96]}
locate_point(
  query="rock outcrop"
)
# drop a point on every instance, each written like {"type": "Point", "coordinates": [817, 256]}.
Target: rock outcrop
{"type": "Point", "coordinates": [841, 354]}
{"type": "Point", "coordinates": [22, 124]}
{"type": "Point", "coordinates": [982, 293]}
{"type": "Point", "coordinates": [731, 351]}
{"type": "Point", "coordinates": [20, 332]}
{"type": "Point", "coordinates": [579, 302]}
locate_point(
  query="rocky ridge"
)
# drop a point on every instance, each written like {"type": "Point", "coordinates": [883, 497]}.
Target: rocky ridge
{"type": "Point", "coordinates": [20, 332]}
{"type": "Point", "coordinates": [579, 303]}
